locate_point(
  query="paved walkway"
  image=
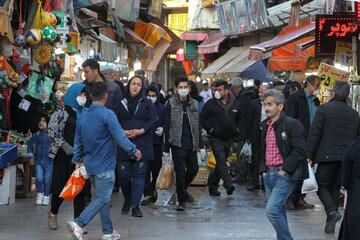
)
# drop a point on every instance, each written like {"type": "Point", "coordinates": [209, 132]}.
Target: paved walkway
{"type": "Point", "coordinates": [240, 216]}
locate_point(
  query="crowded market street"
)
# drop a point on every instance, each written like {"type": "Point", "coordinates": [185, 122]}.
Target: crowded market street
{"type": "Point", "coordinates": [240, 216]}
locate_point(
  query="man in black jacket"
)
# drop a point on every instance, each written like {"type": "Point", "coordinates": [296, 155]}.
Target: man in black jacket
{"type": "Point", "coordinates": [220, 117]}
{"type": "Point", "coordinates": [334, 127]}
{"type": "Point", "coordinates": [302, 105]}
{"type": "Point", "coordinates": [255, 115]}
{"type": "Point", "coordinates": [283, 157]}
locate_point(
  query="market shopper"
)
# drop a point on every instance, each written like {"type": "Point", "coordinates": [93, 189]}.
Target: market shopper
{"type": "Point", "coordinates": [183, 135]}
{"type": "Point", "coordinates": [194, 94]}
{"type": "Point", "coordinates": [334, 127]}
{"type": "Point", "coordinates": [302, 105]}
{"type": "Point", "coordinates": [153, 168]}
{"type": "Point", "coordinates": [62, 133]}
{"type": "Point", "coordinates": [137, 116]}
{"type": "Point", "coordinates": [221, 119]}
{"type": "Point", "coordinates": [38, 149]}
{"type": "Point", "coordinates": [283, 152]}
{"type": "Point", "coordinates": [96, 150]}
{"type": "Point", "coordinates": [206, 93]}
{"type": "Point", "coordinates": [255, 115]}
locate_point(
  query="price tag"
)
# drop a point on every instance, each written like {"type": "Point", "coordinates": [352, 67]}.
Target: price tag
{"type": "Point", "coordinates": [345, 59]}
{"type": "Point", "coordinates": [24, 105]}
{"type": "Point", "coordinates": [329, 75]}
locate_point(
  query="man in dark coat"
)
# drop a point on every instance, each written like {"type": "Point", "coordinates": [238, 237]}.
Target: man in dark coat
{"type": "Point", "coordinates": [255, 115]}
{"type": "Point", "coordinates": [302, 105]}
{"type": "Point", "coordinates": [282, 158]}
{"type": "Point", "coordinates": [334, 127]}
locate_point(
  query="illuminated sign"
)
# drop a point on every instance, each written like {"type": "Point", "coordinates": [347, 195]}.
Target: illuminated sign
{"type": "Point", "coordinates": [357, 11]}
{"type": "Point", "coordinates": [332, 28]}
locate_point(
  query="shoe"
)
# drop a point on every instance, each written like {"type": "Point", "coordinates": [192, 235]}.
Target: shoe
{"type": "Point", "coordinates": [189, 198]}
{"type": "Point", "coordinates": [301, 204]}
{"type": "Point", "coordinates": [335, 216]}
{"type": "Point", "coordinates": [45, 201]}
{"type": "Point", "coordinates": [181, 206]}
{"type": "Point", "coordinates": [84, 230]}
{"type": "Point", "coordinates": [214, 192]}
{"type": "Point", "coordinates": [75, 230]}
{"type": "Point", "coordinates": [230, 190]}
{"type": "Point", "coordinates": [253, 188]}
{"type": "Point", "coordinates": [154, 196]}
{"type": "Point", "coordinates": [290, 205]}
{"type": "Point", "coordinates": [39, 198]}
{"type": "Point", "coordinates": [136, 212]}
{"type": "Point", "coordinates": [147, 201]}
{"type": "Point", "coordinates": [126, 207]}
{"type": "Point", "coordinates": [113, 236]}
{"type": "Point", "coordinates": [52, 222]}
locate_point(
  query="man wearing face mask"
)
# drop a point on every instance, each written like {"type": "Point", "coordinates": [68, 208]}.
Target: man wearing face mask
{"type": "Point", "coordinates": [183, 135]}
{"type": "Point", "coordinates": [221, 118]}
{"type": "Point", "coordinates": [334, 127]}
{"type": "Point", "coordinates": [302, 105]}
{"type": "Point", "coordinates": [153, 169]}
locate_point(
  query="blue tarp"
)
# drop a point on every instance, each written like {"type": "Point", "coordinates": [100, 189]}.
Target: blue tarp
{"type": "Point", "coordinates": [258, 71]}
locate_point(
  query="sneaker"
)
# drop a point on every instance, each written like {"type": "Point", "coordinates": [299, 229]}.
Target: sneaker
{"type": "Point", "coordinates": [39, 198]}
{"type": "Point", "coordinates": [189, 198]}
{"type": "Point", "coordinates": [230, 190]}
{"type": "Point", "coordinates": [136, 212]}
{"type": "Point", "coordinates": [147, 201]}
{"type": "Point", "coordinates": [113, 236]}
{"type": "Point", "coordinates": [45, 201]}
{"type": "Point", "coordinates": [126, 207]}
{"type": "Point", "coordinates": [335, 216]}
{"type": "Point", "coordinates": [52, 222]}
{"type": "Point", "coordinates": [253, 188]}
{"type": "Point", "coordinates": [214, 192]}
{"type": "Point", "coordinates": [181, 206]}
{"type": "Point", "coordinates": [154, 196]}
{"type": "Point", "coordinates": [75, 230]}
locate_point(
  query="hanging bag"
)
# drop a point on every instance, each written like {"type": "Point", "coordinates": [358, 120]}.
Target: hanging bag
{"type": "Point", "coordinates": [310, 184]}
{"type": "Point", "coordinates": [166, 174]}
{"type": "Point", "coordinates": [40, 86]}
{"type": "Point", "coordinates": [75, 184]}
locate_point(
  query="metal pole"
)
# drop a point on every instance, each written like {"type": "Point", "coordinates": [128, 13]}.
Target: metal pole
{"type": "Point", "coordinates": [354, 48]}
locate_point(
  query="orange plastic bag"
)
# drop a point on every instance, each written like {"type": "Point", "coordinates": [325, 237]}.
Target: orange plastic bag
{"type": "Point", "coordinates": [74, 186]}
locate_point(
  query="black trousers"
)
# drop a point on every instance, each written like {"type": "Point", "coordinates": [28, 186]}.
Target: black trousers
{"type": "Point", "coordinates": [79, 204]}
{"type": "Point", "coordinates": [254, 166]}
{"type": "Point", "coordinates": [221, 150]}
{"type": "Point", "coordinates": [296, 194]}
{"type": "Point", "coordinates": [186, 167]}
{"type": "Point", "coordinates": [328, 177]}
{"type": "Point", "coordinates": [153, 170]}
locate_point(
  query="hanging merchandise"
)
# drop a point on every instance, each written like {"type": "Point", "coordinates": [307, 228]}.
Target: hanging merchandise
{"type": "Point", "coordinates": [41, 19]}
{"type": "Point", "coordinates": [63, 29]}
{"type": "Point", "coordinates": [50, 17]}
{"type": "Point", "coordinates": [33, 36]}
{"type": "Point", "coordinates": [40, 86]}
{"type": "Point", "coordinates": [20, 38]}
{"type": "Point", "coordinates": [49, 34]}
{"type": "Point", "coordinates": [8, 77]}
{"type": "Point", "coordinates": [42, 55]}
{"type": "Point", "coordinates": [47, 6]}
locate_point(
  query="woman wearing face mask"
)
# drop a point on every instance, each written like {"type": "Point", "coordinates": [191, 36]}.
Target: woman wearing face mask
{"type": "Point", "coordinates": [137, 116]}
{"type": "Point", "coordinates": [62, 133]}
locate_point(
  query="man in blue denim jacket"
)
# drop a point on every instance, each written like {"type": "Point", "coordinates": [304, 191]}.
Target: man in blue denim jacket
{"type": "Point", "coordinates": [97, 130]}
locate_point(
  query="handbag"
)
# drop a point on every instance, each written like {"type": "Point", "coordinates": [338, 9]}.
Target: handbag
{"type": "Point", "coordinates": [40, 86]}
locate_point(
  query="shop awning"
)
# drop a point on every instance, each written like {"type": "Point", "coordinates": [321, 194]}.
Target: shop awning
{"type": "Point", "coordinates": [176, 42]}
{"type": "Point", "coordinates": [134, 35]}
{"type": "Point", "coordinates": [219, 63]}
{"type": "Point", "coordinates": [258, 71]}
{"type": "Point", "coordinates": [212, 44]}
{"type": "Point", "coordinates": [107, 48]}
{"type": "Point", "coordinates": [194, 36]}
{"type": "Point", "coordinates": [257, 51]}
{"type": "Point", "coordinates": [151, 32]}
{"type": "Point", "coordinates": [303, 46]}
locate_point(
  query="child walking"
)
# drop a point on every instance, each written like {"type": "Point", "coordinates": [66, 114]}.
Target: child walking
{"type": "Point", "coordinates": [38, 149]}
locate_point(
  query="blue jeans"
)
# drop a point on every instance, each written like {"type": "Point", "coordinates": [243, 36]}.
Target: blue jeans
{"type": "Point", "coordinates": [132, 180]}
{"type": "Point", "coordinates": [278, 189]}
{"type": "Point", "coordinates": [43, 174]}
{"type": "Point", "coordinates": [103, 184]}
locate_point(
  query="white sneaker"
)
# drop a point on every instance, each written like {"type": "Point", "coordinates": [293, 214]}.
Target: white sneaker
{"type": "Point", "coordinates": [113, 236]}
{"type": "Point", "coordinates": [39, 198]}
{"type": "Point", "coordinates": [75, 230]}
{"type": "Point", "coordinates": [45, 201]}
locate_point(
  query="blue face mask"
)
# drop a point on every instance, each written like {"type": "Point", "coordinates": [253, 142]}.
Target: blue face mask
{"type": "Point", "coordinates": [19, 66]}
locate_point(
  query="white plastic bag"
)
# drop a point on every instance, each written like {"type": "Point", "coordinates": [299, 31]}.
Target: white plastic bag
{"type": "Point", "coordinates": [310, 184]}
{"type": "Point", "coordinates": [246, 152]}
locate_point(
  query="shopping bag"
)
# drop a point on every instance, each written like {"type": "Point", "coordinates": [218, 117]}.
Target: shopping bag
{"type": "Point", "coordinates": [40, 86]}
{"type": "Point", "coordinates": [310, 184]}
{"type": "Point", "coordinates": [211, 162]}
{"type": "Point", "coordinates": [245, 153]}
{"type": "Point", "coordinates": [74, 185]}
{"type": "Point", "coordinates": [166, 174]}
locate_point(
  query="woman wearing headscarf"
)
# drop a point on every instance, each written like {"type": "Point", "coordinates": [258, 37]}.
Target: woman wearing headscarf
{"type": "Point", "coordinates": [62, 133]}
{"type": "Point", "coordinates": [194, 93]}
{"type": "Point", "coordinates": [137, 115]}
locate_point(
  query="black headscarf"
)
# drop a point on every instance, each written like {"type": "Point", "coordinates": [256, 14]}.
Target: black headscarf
{"type": "Point", "coordinates": [132, 102]}
{"type": "Point", "coordinates": [194, 94]}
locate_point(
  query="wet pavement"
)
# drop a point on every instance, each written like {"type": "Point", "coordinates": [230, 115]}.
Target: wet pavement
{"type": "Point", "coordinates": [240, 216]}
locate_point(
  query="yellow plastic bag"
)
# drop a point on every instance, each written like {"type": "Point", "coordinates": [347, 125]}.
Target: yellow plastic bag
{"type": "Point", "coordinates": [211, 162]}
{"type": "Point", "coordinates": [40, 20]}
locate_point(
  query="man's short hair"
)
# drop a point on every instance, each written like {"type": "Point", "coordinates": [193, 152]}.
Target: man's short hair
{"type": "Point", "coordinates": [279, 97]}
{"type": "Point", "coordinates": [310, 79]}
{"type": "Point", "coordinates": [237, 82]}
{"type": "Point", "coordinates": [205, 84]}
{"type": "Point", "coordinates": [98, 91]}
{"type": "Point", "coordinates": [181, 78]}
{"type": "Point", "coordinates": [257, 83]}
{"type": "Point", "coordinates": [92, 64]}
{"type": "Point", "coordinates": [222, 83]}
{"type": "Point", "coordinates": [341, 89]}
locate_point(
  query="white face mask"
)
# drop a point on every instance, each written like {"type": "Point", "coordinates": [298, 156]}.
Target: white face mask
{"type": "Point", "coordinates": [81, 100]}
{"type": "Point", "coordinates": [153, 99]}
{"type": "Point", "coordinates": [217, 95]}
{"type": "Point", "coordinates": [183, 92]}
{"type": "Point", "coordinates": [316, 92]}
